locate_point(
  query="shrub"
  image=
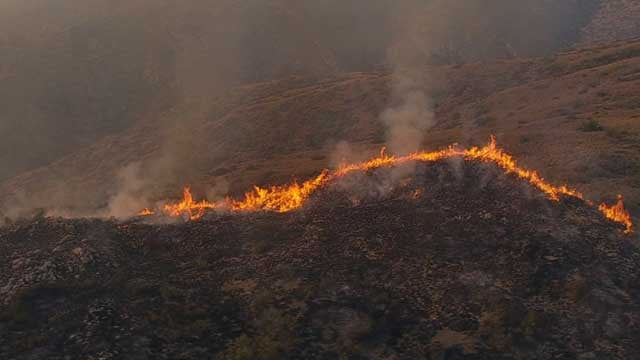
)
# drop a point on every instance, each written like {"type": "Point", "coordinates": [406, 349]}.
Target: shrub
{"type": "Point", "coordinates": [591, 126]}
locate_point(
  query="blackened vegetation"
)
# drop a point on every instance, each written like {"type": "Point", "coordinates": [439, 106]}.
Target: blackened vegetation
{"type": "Point", "coordinates": [459, 261]}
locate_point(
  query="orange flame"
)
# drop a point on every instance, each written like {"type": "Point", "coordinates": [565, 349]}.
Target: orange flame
{"type": "Point", "coordinates": [195, 210]}
{"type": "Point", "coordinates": [146, 212]}
{"type": "Point", "coordinates": [290, 197]}
{"type": "Point", "coordinates": [618, 213]}
{"type": "Point", "coordinates": [280, 198]}
{"type": "Point", "coordinates": [488, 153]}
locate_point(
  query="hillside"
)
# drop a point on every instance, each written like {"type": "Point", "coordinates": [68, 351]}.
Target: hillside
{"type": "Point", "coordinates": [458, 262]}
{"type": "Point", "coordinates": [75, 71]}
{"type": "Point", "coordinates": [573, 116]}
{"type": "Point", "coordinates": [319, 179]}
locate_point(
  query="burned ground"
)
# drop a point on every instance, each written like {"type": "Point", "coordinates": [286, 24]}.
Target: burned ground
{"type": "Point", "coordinates": [458, 261]}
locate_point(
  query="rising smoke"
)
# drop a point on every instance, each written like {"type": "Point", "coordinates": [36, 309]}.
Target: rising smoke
{"type": "Point", "coordinates": [132, 192]}
{"type": "Point", "coordinates": [410, 114]}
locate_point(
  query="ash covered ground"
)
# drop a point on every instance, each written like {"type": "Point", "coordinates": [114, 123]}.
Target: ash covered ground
{"type": "Point", "coordinates": [458, 262]}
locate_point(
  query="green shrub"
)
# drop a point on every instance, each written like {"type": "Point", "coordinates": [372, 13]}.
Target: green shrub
{"type": "Point", "coordinates": [591, 126]}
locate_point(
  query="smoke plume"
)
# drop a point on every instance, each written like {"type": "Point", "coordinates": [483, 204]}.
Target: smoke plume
{"type": "Point", "coordinates": [132, 185]}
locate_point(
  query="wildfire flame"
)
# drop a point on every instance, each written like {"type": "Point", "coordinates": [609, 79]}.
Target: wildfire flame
{"type": "Point", "coordinates": [195, 210]}
{"type": "Point", "coordinates": [618, 213]}
{"type": "Point", "coordinates": [146, 212]}
{"type": "Point", "coordinates": [285, 198]}
{"type": "Point", "coordinates": [280, 198]}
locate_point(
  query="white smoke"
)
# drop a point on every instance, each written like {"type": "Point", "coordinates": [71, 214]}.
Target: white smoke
{"type": "Point", "coordinates": [410, 114]}
{"type": "Point", "coordinates": [408, 121]}
{"type": "Point", "coordinates": [132, 192]}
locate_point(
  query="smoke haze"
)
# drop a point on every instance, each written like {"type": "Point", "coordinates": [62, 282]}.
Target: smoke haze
{"type": "Point", "coordinates": [75, 72]}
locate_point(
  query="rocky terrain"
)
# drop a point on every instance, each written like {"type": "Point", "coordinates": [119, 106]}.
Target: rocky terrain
{"type": "Point", "coordinates": [458, 261]}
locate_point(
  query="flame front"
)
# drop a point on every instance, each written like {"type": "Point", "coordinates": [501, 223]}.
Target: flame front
{"type": "Point", "coordinates": [194, 210]}
{"type": "Point", "coordinates": [618, 213]}
{"type": "Point", "coordinates": [290, 197]}
{"type": "Point", "coordinates": [489, 153]}
{"type": "Point", "coordinates": [280, 198]}
{"type": "Point", "coordinates": [146, 212]}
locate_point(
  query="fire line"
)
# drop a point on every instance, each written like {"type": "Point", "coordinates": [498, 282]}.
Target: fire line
{"type": "Point", "coordinates": [286, 198]}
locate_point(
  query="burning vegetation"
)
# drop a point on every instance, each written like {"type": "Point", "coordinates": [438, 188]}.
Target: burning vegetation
{"type": "Point", "coordinates": [618, 213]}
{"type": "Point", "coordinates": [286, 198]}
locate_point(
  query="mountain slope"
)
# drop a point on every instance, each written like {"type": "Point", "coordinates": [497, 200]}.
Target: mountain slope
{"type": "Point", "coordinates": [76, 71]}
{"type": "Point", "coordinates": [573, 116]}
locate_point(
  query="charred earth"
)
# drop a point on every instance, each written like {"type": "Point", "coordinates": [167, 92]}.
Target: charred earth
{"type": "Point", "coordinates": [453, 260]}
